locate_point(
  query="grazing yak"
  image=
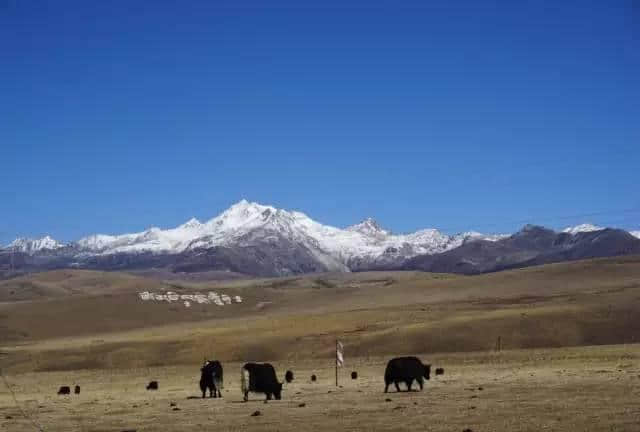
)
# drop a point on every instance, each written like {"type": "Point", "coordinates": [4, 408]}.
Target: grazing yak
{"type": "Point", "coordinates": [405, 369]}
{"type": "Point", "coordinates": [76, 390]}
{"type": "Point", "coordinates": [64, 390]}
{"type": "Point", "coordinates": [260, 378]}
{"type": "Point", "coordinates": [153, 385]}
{"type": "Point", "coordinates": [211, 378]}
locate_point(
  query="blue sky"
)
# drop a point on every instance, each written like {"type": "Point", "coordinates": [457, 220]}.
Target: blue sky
{"type": "Point", "coordinates": [116, 116]}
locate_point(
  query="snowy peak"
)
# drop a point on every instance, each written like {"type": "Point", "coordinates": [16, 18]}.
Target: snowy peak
{"type": "Point", "coordinates": [248, 223]}
{"type": "Point", "coordinates": [96, 241]}
{"type": "Point", "coordinates": [242, 214]}
{"type": "Point", "coordinates": [369, 227]}
{"type": "Point", "coordinates": [31, 246]}
{"type": "Point", "coordinates": [192, 223]}
{"type": "Point", "coordinates": [474, 235]}
{"type": "Point", "coordinates": [585, 227]}
{"type": "Point", "coordinates": [636, 234]}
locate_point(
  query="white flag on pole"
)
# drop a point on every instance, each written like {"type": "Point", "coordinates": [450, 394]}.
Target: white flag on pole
{"type": "Point", "coordinates": [339, 354]}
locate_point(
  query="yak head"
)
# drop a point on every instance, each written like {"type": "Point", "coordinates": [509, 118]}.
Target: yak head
{"type": "Point", "coordinates": [278, 391]}
{"type": "Point", "coordinates": [427, 371]}
{"type": "Point", "coordinates": [205, 365]}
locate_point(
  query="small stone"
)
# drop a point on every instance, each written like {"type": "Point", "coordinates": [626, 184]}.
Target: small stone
{"type": "Point", "coordinates": [302, 405]}
{"type": "Point", "coordinates": [387, 400]}
{"type": "Point", "coordinates": [256, 414]}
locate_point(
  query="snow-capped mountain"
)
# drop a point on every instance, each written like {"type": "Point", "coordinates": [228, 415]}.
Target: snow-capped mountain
{"type": "Point", "coordinates": [246, 222]}
{"type": "Point", "coordinates": [585, 227]}
{"type": "Point", "coordinates": [154, 239]}
{"type": "Point", "coordinates": [532, 245]}
{"type": "Point", "coordinates": [31, 246]}
{"type": "Point", "coordinates": [258, 239]}
{"type": "Point", "coordinates": [636, 234]}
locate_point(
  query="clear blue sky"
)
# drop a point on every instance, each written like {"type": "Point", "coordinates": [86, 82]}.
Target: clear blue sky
{"type": "Point", "coordinates": [116, 116]}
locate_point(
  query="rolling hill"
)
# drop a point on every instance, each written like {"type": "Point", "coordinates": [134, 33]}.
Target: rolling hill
{"type": "Point", "coordinates": [100, 320]}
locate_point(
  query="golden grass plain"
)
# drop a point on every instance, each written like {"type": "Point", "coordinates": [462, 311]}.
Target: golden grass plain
{"type": "Point", "coordinates": [569, 333]}
{"type": "Point", "coordinates": [559, 389]}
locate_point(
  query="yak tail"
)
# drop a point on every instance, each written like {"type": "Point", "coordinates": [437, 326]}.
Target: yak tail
{"type": "Point", "coordinates": [244, 380]}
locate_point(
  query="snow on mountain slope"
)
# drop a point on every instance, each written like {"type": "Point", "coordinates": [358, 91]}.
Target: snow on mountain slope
{"type": "Point", "coordinates": [288, 241]}
{"type": "Point", "coordinates": [262, 240]}
{"type": "Point", "coordinates": [31, 246]}
{"type": "Point", "coordinates": [635, 234]}
{"type": "Point", "coordinates": [152, 240]}
{"type": "Point", "coordinates": [586, 227]}
{"type": "Point", "coordinates": [370, 228]}
{"type": "Point", "coordinates": [246, 223]}
{"type": "Point", "coordinates": [474, 235]}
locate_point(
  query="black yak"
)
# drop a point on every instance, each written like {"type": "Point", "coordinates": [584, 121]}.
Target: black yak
{"type": "Point", "coordinates": [405, 369]}
{"type": "Point", "coordinates": [211, 378]}
{"type": "Point", "coordinates": [260, 378]}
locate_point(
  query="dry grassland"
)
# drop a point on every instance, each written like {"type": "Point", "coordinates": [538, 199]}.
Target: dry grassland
{"type": "Point", "coordinates": [566, 389]}
{"type": "Point", "coordinates": [558, 323]}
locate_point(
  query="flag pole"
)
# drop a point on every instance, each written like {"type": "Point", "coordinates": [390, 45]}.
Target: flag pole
{"type": "Point", "coordinates": [336, 359]}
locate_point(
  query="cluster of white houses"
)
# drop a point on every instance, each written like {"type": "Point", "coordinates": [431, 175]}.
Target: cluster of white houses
{"type": "Point", "coordinates": [210, 298]}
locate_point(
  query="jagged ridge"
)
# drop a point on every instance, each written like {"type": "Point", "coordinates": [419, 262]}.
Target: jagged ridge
{"type": "Point", "coordinates": [256, 239]}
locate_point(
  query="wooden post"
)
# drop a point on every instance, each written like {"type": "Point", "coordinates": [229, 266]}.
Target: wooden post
{"type": "Point", "coordinates": [336, 359]}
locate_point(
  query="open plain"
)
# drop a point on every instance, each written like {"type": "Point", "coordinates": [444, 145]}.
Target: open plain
{"type": "Point", "coordinates": [561, 389]}
{"type": "Point", "coordinates": [569, 357]}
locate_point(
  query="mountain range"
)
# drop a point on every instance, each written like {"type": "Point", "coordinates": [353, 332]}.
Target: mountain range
{"type": "Point", "coordinates": [260, 240]}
